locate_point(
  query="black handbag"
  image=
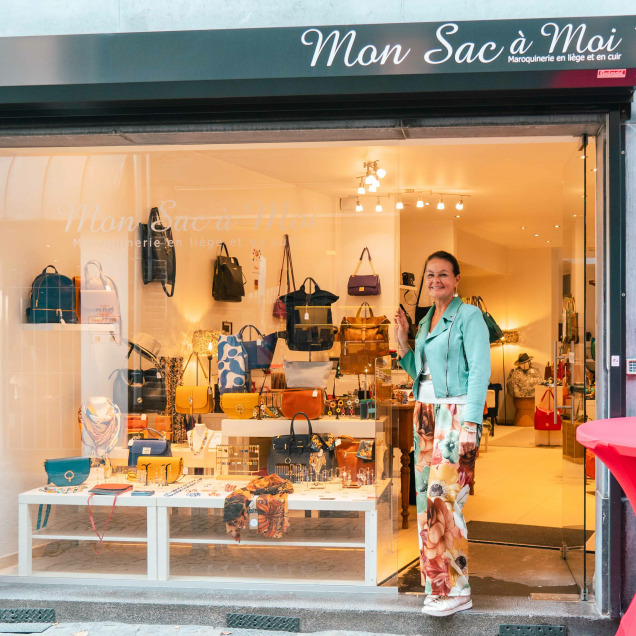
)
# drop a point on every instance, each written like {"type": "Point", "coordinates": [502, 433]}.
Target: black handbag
{"type": "Point", "coordinates": [160, 447]}
{"type": "Point", "coordinates": [52, 298]}
{"type": "Point", "coordinates": [228, 282]}
{"type": "Point", "coordinates": [309, 320]}
{"type": "Point", "coordinates": [140, 390]}
{"type": "Point", "coordinates": [158, 258]}
{"type": "Point", "coordinates": [420, 312]}
{"type": "Point", "coordinates": [295, 449]}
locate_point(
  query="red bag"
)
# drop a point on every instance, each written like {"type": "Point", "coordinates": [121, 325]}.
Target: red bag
{"type": "Point", "coordinates": [544, 414]}
{"type": "Point", "coordinates": [280, 309]}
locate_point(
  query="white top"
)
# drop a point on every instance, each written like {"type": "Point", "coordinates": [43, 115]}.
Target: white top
{"type": "Point", "coordinates": [426, 391]}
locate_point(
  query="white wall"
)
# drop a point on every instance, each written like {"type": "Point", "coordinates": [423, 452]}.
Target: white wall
{"type": "Point", "coordinates": [53, 17]}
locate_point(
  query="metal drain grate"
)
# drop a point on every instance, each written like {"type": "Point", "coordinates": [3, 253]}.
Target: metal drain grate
{"type": "Point", "coordinates": [531, 630]}
{"type": "Point", "coordinates": [27, 615]}
{"type": "Point", "coordinates": [272, 623]}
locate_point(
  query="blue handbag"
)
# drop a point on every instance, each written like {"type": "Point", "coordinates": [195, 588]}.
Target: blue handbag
{"type": "Point", "coordinates": [52, 298]}
{"type": "Point", "coordinates": [148, 448]}
{"type": "Point", "coordinates": [261, 351]}
{"type": "Point", "coordinates": [68, 471]}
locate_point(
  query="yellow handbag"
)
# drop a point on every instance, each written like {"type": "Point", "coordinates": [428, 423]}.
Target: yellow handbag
{"type": "Point", "coordinates": [240, 406]}
{"type": "Point", "coordinates": [191, 400]}
{"type": "Point", "coordinates": [168, 468]}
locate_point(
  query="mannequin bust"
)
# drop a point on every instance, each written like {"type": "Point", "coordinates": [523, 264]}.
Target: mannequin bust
{"type": "Point", "coordinates": [198, 438]}
{"type": "Point", "coordinates": [520, 385]}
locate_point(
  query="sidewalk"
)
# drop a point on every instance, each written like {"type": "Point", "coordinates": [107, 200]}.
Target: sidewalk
{"type": "Point", "coordinates": [121, 629]}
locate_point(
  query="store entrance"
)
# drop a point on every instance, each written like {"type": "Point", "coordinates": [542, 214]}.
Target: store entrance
{"type": "Point", "coordinates": [519, 215]}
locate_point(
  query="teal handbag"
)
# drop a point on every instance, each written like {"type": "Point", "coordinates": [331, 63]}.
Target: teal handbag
{"type": "Point", "coordinates": [68, 471]}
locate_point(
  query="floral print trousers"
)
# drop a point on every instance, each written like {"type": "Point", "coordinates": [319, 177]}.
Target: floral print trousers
{"type": "Point", "coordinates": [442, 482]}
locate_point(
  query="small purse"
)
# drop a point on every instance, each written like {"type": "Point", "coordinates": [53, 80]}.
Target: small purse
{"type": "Point", "coordinates": [193, 399]}
{"type": "Point", "coordinates": [364, 284]}
{"type": "Point", "coordinates": [67, 471]}
{"type": "Point", "coordinates": [307, 401]}
{"type": "Point", "coordinates": [137, 448]}
{"type": "Point", "coordinates": [240, 406]}
{"type": "Point", "coordinates": [167, 468]}
{"type": "Point", "coordinates": [304, 375]}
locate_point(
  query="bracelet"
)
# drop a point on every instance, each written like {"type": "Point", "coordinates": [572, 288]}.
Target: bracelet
{"type": "Point", "coordinates": [469, 430]}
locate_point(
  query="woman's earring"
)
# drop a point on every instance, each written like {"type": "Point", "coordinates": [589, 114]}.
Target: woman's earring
{"type": "Point", "coordinates": [455, 294]}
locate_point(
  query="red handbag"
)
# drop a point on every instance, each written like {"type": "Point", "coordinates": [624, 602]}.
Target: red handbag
{"type": "Point", "coordinates": [280, 309]}
{"type": "Point", "coordinates": [544, 414]}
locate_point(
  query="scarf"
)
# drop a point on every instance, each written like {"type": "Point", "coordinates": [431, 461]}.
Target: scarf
{"type": "Point", "coordinates": [271, 506]}
{"type": "Point", "coordinates": [100, 432]}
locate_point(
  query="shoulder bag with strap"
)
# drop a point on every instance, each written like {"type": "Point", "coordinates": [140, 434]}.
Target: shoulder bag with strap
{"type": "Point", "coordinates": [193, 399]}
{"type": "Point", "coordinates": [494, 331]}
{"type": "Point", "coordinates": [104, 489]}
{"type": "Point", "coordinates": [158, 258]}
{"type": "Point", "coordinates": [228, 282]}
{"type": "Point", "coordinates": [420, 312]}
{"type": "Point", "coordinates": [279, 305]}
{"type": "Point", "coordinates": [364, 284]}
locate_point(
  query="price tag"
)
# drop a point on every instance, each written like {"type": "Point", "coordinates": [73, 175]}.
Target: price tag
{"type": "Point", "coordinates": [259, 342]}
{"type": "Point", "coordinates": [146, 450]}
{"type": "Point", "coordinates": [144, 416]}
{"type": "Point", "coordinates": [185, 470]}
{"type": "Point", "coordinates": [315, 393]}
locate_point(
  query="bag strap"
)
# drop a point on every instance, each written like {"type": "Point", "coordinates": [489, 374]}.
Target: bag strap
{"type": "Point", "coordinates": [240, 333]}
{"type": "Point", "coordinates": [290, 265]}
{"type": "Point", "coordinates": [52, 266]}
{"type": "Point", "coordinates": [205, 373]}
{"type": "Point", "coordinates": [282, 267]}
{"type": "Point", "coordinates": [224, 247]}
{"type": "Point", "coordinates": [419, 293]}
{"type": "Point", "coordinates": [309, 278]}
{"type": "Point", "coordinates": [100, 543]}
{"type": "Point", "coordinates": [161, 436]}
{"type": "Point", "coordinates": [549, 393]}
{"type": "Point", "coordinates": [366, 249]}
{"type": "Point", "coordinates": [367, 308]}
{"type": "Point", "coordinates": [42, 523]}
{"type": "Point", "coordinates": [98, 265]}
{"type": "Point", "coordinates": [291, 425]}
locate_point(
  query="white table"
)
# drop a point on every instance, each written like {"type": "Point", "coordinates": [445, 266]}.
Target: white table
{"type": "Point", "coordinates": [83, 531]}
{"type": "Point", "coordinates": [277, 426]}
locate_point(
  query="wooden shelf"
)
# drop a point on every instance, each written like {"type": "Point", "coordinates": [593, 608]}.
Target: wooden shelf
{"type": "Point", "coordinates": [408, 287]}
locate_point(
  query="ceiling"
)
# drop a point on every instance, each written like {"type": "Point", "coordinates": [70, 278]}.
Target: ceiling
{"type": "Point", "coordinates": [535, 183]}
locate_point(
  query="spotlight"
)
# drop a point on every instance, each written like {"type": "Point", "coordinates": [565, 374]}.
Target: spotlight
{"type": "Point", "coordinates": [378, 207]}
{"type": "Point", "coordinates": [440, 205]}
{"type": "Point", "coordinates": [460, 204]}
{"type": "Point", "coordinates": [369, 179]}
{"type": "Point", "coordinates": [381, 172]}
{"type": "Point", "coordinates": [359, 207]}
{"type": "Point", "coordinates": [399, 205]}
{"type": "Point", "coordinates": [420, 203]}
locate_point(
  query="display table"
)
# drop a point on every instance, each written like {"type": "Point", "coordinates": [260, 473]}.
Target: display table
{"type": "Point", "coordinates": [614, 443]}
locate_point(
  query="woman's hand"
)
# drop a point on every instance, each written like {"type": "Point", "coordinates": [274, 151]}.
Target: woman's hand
{"type": "Point", "coordinates": [401, 329]}
{"type": "Point", "coordinates": [467, 440]}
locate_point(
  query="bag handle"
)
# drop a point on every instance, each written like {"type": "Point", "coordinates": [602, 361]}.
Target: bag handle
{"type": "Point", "coordinates": [52, 266]}
{"type": "Point", "coordinates": [366, 249]}
{"type": "Point", "coordinates": [290, 265]}
{"type": "Point", "coordinates": [240, 333]}
{"type": "Point", "coordinates": [550, 394]}
{"type": "Point", "coordinates": [282, 267]}
{"type": "Point", "coordinates": [309, 278]}
{"type": "Point", "coordinates": [161, 436]}
{"type": "Point", "coordinates": [292, 434]}
{"type": "Point", "coordinates": [224, 247]}
{"type": "Point", "coordinates": [100, 543]}
{"type": "Point", "coordinates": [205, 373]}
{"type": "Point", "coordinates": [98, 265]}
{"type": "Point", "coordinates": [367, 308]}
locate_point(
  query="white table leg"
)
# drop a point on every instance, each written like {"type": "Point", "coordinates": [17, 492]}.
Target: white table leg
{"type": "Point", "coordinates": [25, 541]}
{"type": "Point", "coordinates": [151, 537]}
{"type": "Point", "coordinates": [370, 547]}
{"type": "Point", "coordinates": [163, 543]}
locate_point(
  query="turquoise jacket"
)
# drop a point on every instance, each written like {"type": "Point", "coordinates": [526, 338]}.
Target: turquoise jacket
{"type": "Point", "coordinates": [458, 357]}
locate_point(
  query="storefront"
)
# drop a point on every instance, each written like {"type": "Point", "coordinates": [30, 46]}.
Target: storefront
{"type": "Point", "coordinates": [501, 142]}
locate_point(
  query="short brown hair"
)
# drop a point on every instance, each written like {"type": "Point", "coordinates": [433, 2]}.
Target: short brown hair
{"type": "Point", "coordinates": [444, 256]}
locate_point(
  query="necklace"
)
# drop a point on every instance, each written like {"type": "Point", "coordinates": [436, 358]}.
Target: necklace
{"type": "Point", "coordinates": [185, 486]}
{"type": "Point", "coordinates": [202, 446]}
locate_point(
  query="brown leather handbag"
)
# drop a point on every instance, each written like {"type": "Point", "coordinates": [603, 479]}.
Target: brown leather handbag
{"type": "Point", "coordinates": [349, 454]}
{"type": "Point", "coordinates": [365, 328]}
{"type": "Point", "coordinates": [309, 401]}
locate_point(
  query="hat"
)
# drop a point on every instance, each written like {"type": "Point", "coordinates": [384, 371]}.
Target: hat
{"type": "Point", "coordinates": [146, 345]}
{"type": "Point", "coordinates": [524, 357]}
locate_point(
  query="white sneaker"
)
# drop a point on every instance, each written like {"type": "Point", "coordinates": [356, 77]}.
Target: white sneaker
{"type": "Point", "coordinates": [447, 605]}
{"type": "Point", "coordinates": [430, 598]}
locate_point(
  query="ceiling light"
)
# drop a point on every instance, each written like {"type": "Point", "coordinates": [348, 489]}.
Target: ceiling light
{"type": "Point", "coordinates": [359, 207]}
{"type": "Point", "coordinates": [373, 187]}
{"type": "Point", "coordinates": [536, 235]}
{"type": "Point", "coordinates": [594, 169]}
{"type": "Point", "coordinates": [440, 205]}
{"type": "Point", "coordinates": [427, 203]}
{"type": "Point", "coordinates": [582, 156]}
{"type": "Point", "coordinates": [574, 215]}
{"type": "Point", "coordinates": [523, 227]}
{"type": "Point", "coordinates": [381, 172]}
{"type": "Point", "coordinates": [547, 241]}
{"type": "Point", "coordinates": [399, 205]}
{"type": "Point", "coordinates": [556, 226]}
{"type": "Point", "coordinates": [378, 207]}
{"type": "Point", "coordinates": [460, 204]}
{"type": "Point", "coordinates": [369, 179]}
{"type": "Point", "coordinates": [377, 182]}
{"type": "Point", "coordinates": [361, 190]}
{"type": "Point", "coordinates": [457, 216]}
{"type": "Point", "coordinates": [420, 203]}
{"type": "Point", "coordinates": [361, 186]}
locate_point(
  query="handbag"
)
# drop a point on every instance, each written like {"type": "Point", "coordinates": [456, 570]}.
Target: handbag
{"type": "Point", "coordinates": [544, 414]}
{"type": "Point", "coordinates": [420, 312]}
{"type": "Point", "coordinates": [309, 320]}
{"type": "Point", "coordinates": [52, 299]}
{"type": "Point", "coordinates": [570, 321]}
{"type": "Point", "coordinates": [408, 279]}
{"type": "Point", "coordinates": [364, 284]}
{"type": "Point", "coordinates": [167, 468]}
{"type": "Point", "coordinates": [99, 298]}
{"type": "Point", "coordinates": [367, 328]}
{"type": "Point", "coordinates": [228, 282]}
{"type": "Point", "coordinates": [259, 352]}
{"type": "Point", "coordinates": [307, 375]}
{"type": "Point", "coordinates": [158, 257]}
{"type": "Point", "coordinates": [280, 310]}
{"type": "Point", "coordinates": [310, 401]}
{"type": "Point", "coordinates": [67, 471]}
{"type": "Point", "coordinates": [354, 455]}
{"type": "Point", "coordinates": [140, 390]}
{"type": "Point", "coordinates": [138, 422]}
{"type": "Point", "coordinates": [295, 449]}
{"type": "Point", "coordinates": [494, 331]}
{"type": "Point", "coordinates": [232, 364]}
{"type": "Point", "coordinates": [240, 406]}
{"type": "Point", "coordinates": [159, 447]}
{"type": "Point", "coordinates": [193, 399]}
{"type": "Point", "coordinates": [104, 489]}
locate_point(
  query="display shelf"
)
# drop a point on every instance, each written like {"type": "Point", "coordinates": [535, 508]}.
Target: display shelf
{"type": "Point", "coordinates": [271, 427]}
{"type": "Point", "coordinates": [56, 326]}
{"type": "Point", "coordinates": [408, 287]}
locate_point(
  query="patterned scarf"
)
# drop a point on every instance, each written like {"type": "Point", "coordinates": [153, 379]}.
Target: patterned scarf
{"type": "Point", "coordinates": [271, 507]}
{"type": "Point", "coordinates": [172, 371]}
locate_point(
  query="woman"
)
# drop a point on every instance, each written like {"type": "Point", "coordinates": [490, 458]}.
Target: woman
{"type": "Point", "coordinates": [451, 369]}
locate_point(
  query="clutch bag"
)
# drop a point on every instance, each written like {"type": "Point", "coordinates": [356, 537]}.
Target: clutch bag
{"type": "Point", "coordinates": [68, 471]}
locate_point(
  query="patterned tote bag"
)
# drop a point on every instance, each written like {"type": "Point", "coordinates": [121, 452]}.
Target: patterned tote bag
{"type": "Point", "coordinates": [232, 365]}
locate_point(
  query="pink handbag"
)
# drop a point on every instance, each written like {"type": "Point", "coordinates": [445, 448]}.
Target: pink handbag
{"type": "Point", "coordinates": [544, 414]}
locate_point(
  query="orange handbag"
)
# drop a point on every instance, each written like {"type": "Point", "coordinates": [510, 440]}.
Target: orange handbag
{"type": "Point", "coordinates": [309, 401]}
{"type": "Point", "coordinates": [141, 421]}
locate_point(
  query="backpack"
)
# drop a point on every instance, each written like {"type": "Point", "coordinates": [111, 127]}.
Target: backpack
{"type": "Point", "coordinates": [52, 298]}
{"type": "Point", "coordinates": [228, 283]}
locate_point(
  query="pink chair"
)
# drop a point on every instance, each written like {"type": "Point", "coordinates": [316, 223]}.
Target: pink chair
{"type": "Point", "coordinates": [614, 443]}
